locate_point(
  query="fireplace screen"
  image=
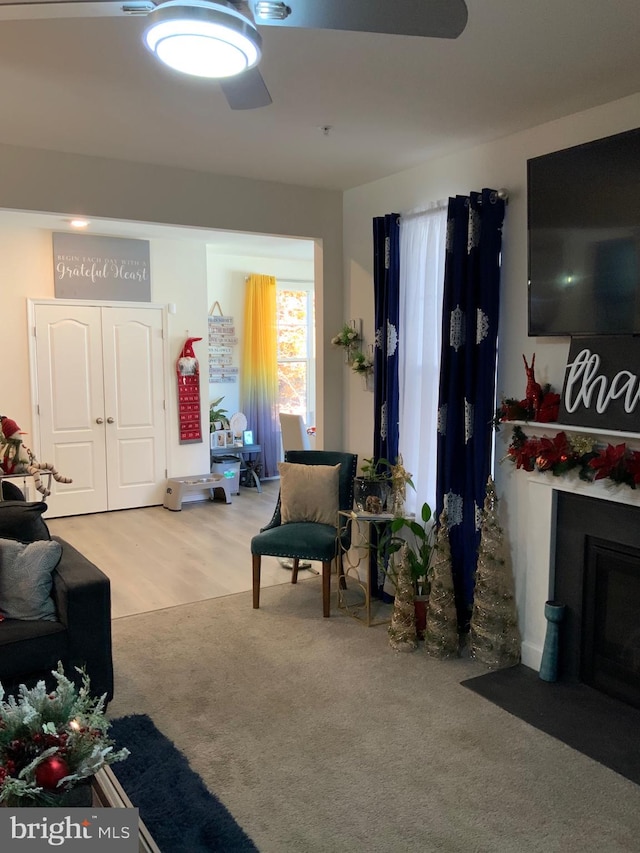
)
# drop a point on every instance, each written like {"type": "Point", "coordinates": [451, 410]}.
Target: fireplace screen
{"type": "Point", "coordinates": [611, 619]}
{"type": "Point", "coordinates": [597, 576]}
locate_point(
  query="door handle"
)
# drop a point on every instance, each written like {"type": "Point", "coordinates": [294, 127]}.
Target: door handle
{"type": "Point", "coordinates": [109, 420]}
{"type": "Point", "coordinates": [99, 420]}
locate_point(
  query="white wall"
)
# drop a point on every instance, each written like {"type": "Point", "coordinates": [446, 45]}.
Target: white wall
{"type": "Point", "coordinates": [226, 284]}
{"type": "Point", "coordinates": [27, 272]}
{"type": "Point", "coordinates": [179, 275]}
{"type": "Point", "coordinates": [502, 163]}
{"type": "Point", "coordinates": [52, 182]}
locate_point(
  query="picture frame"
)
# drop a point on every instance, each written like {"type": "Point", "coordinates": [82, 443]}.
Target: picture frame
{"type": "Point", "coordinates": [247, 436]}
{"type": "Point", "coordinates": [221, 438]}
{"type": "Point", "coordinates": [228, 437]}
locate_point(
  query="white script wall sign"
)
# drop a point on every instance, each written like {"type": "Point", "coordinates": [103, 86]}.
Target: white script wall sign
{"type": "Point", "coordinates": [87, 266]}
{"type": "Point", "coordinates": [602, 383]}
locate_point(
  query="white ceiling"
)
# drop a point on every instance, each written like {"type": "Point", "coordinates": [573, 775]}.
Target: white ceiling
{"type": "Point", "coordinates": [87, 85]}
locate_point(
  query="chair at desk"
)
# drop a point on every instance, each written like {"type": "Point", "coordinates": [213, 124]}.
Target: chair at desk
{"type": "Point", "coordinates": [294, 433]}
{"type": "Point", "coordinates": [304, 524]}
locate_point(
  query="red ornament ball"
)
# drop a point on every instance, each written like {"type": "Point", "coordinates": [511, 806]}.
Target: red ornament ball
{"type": "Point", "coordinates": [50, 771]}
{"type": "Point", "coordinates": [542, 463]}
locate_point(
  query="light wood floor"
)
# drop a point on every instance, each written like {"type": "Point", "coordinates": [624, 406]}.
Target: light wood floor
{"type": "Point", "coordinates": [157, 558]}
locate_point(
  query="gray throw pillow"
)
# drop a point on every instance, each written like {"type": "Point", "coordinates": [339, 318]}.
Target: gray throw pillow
{"type": "Point", "coordinates": [26, 579]}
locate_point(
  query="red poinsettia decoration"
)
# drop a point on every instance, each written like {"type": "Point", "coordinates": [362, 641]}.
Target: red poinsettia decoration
{"type": "Point", "coordinates": [549, 408]}
{"type": "Point", "coordinates": [524, 453]}
{"type": "Point", "coordinates": [610, 462]}
{"type": "Point", "coordinates": [633, 466]}
{"type": "Point", "coordinates": [554, 452]}
{"type": "Point", "coordinates": [561, 454]}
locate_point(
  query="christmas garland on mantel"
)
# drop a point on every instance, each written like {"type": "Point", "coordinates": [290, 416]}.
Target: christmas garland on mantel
{"type": "Point", "coordinates": [579, 453]}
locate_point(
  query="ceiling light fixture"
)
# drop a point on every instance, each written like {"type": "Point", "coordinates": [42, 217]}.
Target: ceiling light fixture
{"type": "Point", "coordinates": [76, 222]}
{"type": "Point", "coordinates": [202, 38]}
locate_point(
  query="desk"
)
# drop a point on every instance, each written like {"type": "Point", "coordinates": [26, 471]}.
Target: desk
{"type": "Point", "coordinates": [240, 452]}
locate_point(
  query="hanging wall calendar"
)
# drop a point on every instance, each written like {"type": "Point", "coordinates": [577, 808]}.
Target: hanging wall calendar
{"type": "Point", "coordinates": [222, 340]}
{"type": "Point", "coordinates": [187, 371]}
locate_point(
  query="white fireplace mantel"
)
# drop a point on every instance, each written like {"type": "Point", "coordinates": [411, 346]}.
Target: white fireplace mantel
{"type": "Point", "coordinates": [605, 436]}
{"type": "Point", "coordinates": [539, 492]}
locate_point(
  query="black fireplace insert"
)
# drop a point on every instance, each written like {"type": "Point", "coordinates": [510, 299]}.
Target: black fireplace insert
{"type": "Point", "coordinates": [597, 576]}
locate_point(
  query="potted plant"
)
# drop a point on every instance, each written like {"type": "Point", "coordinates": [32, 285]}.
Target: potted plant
{"type": "Point", "coordinates": [418, 536]}
{"type": "Point", "coordinates": [420, 542]}
{"type": "Point", "coordinates": [371, 490]}
{"type": "Point", "coordinates": [217, 416]}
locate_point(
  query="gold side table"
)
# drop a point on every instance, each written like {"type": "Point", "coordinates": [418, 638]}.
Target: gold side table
{"type": "Point", "coordinates": [354, 598]}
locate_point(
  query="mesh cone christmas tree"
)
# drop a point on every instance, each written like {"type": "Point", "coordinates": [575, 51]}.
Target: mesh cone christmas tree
{"type": "Point", "coordinates": [494, 636]}
{"type": "Point", "coordinates": [402, 630]}
{"type": "Point", "coordinates": [441, 633]}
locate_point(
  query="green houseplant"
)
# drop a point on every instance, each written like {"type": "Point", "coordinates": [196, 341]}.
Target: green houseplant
{"type": "Point", "coordinates": [419, 538]}
{"type": "Point", "coordinates": [372, 488]}
{"type": "Point", "coordinates": [217, 416]}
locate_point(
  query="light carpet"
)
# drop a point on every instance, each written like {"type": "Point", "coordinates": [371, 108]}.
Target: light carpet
{"type": "Point", "coordinates": [318, 738]}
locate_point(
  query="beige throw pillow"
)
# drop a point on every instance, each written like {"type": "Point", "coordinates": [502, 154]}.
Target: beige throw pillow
{"type": "Point", "coordinates": [309, 492]}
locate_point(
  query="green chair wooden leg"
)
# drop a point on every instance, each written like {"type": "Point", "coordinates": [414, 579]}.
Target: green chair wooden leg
{"type": "Point", "coordinates": [326, 587]}
{"type": "Point", "coordinates": [256, 581]}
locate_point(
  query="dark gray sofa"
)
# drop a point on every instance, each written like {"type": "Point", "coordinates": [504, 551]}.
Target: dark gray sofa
{"type": "Point", "coordinates": [80, 636]}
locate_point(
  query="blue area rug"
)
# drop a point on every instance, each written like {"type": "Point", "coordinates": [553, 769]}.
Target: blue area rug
{"type": "Point", "coordinates": [178, 809]}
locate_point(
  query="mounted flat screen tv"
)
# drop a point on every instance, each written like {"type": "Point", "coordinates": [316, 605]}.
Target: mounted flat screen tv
{"type": "Point", "coordinates": [584, 239]}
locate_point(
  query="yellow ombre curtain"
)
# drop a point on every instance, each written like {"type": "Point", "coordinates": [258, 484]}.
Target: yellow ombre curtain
{"type": "Point", "coordinates": [259, 388]}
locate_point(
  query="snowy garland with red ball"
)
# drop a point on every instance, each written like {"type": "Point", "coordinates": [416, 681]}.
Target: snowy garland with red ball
{"type": "Point", "coordinates": [52, 741]}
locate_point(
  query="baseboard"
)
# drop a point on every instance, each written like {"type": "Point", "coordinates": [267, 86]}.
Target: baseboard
{"type": "Point", "coordinates": [531, 656]}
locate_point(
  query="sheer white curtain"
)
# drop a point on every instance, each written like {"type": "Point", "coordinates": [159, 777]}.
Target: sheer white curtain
{"type": "Point", "coordinates": [422, 251]}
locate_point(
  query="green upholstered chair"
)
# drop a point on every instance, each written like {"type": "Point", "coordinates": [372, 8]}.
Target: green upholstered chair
{"type": "Point", "coordinates": [308, 540]}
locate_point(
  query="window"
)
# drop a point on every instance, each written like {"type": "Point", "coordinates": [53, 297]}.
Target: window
{"type": "Point", "coordinates": [296, 350]}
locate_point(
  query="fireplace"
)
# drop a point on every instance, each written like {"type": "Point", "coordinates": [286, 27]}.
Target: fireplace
{"type": "Point", "coordinates": [597, 576]}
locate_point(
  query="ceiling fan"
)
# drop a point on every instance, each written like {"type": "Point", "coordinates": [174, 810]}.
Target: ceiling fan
{"type": "Point", "coordinates": [221, 39]}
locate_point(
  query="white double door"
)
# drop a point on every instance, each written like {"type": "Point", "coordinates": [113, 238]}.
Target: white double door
{"type": "Point", "coordinates": [100, 405]}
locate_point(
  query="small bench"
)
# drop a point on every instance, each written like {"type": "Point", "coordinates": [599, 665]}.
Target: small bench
{"type": "Point", "coordinates": [178, 487]}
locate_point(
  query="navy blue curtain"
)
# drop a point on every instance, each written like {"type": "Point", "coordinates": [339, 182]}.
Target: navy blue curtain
{"type": "Point", "coordinates": [386, 284]}
{"type": "Point", "coordinates": [386, 398]}
{"type": "Point", "coordinates": [467, 378]}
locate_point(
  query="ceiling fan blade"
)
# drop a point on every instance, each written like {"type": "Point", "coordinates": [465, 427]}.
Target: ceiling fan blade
{"type": "Point", "coordinates": [247, 91]}
{"type": "Point", "coordinates": [435, 18]}
{"type": "Point", "coordinates": [28, 10]}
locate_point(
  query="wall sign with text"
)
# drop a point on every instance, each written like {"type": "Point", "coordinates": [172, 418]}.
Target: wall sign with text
{"type": "Point", "coordinates": [602, 383]}
{"type": "Point", "coordinates": [90, 267]}
{"type": "Point", "coordinates": [222, 340]}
